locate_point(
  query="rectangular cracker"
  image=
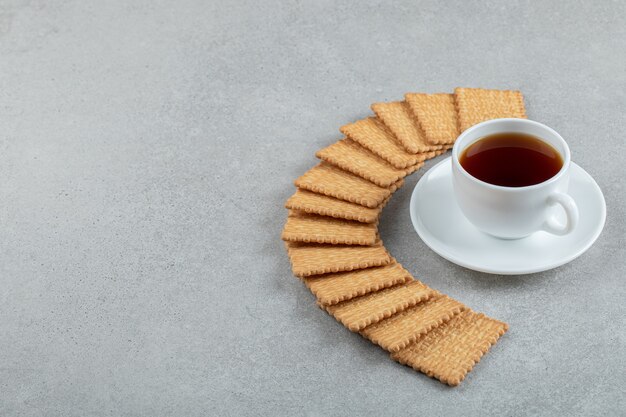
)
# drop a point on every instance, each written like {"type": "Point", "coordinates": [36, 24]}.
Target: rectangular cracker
{"type": "Point", "coordinates": [352, 157]}
{"type": "Point", "coordinates": [372, 134]}
{"type": "Point", "coordinates": [404, 328]}
{"type": "Point", "coordinates": [313, 228]}
{"type": "Point", "coordinates": [450, 351]}
{"type": "Point", "coordinates": [323, 205]}
{"type": "Point", "coordinates": [314, 259]}
{"type": "Point", "coordinates": [401, 121]}
{"type": "Point", "coordinates": [358, 313]}
{"type": "Point", "coordinates": [331, 289]}
{"type": "Point", "coordinates": [475, 105]}
{"type": "Point", "coordinates": [436, 114]}
{"type": "Point", "coordinates": [334, 182]}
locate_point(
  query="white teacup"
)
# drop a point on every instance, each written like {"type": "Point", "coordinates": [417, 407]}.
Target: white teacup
{"type": "Point", "coordinates": [514, 212]}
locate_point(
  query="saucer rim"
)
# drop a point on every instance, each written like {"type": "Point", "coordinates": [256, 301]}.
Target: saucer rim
{"type": "Point", "coordinates": [476, 267]}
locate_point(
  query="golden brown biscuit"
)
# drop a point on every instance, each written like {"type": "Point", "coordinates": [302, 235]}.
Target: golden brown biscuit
{"type": "Point", "coordinates": [450, 351]}
{"type": "Point", "coordinates": [436, 114]}
{"type": "Point", "coordinates": [334, 182]}
{"type": "Point", "coordinates": [314, 259]}
{"type": "Point", "coordinates": [313, 228]}
{"type": "Point", "coordinates": [352, 157]}
{"type": "Point", "coordinates": [402, 329]}
{"type": "Point", "coordinates": [334, 288]}
{"type": "Point", "coordinates": [314, 203]}
{"type": "Point", "coordinates": [475, 105]}
{"type": "Point", "coordinates": [358, 313]}
{"type": "Point", "coordinates": [372, 134]}
{"type": "Point", "coordinates": [401, 121]}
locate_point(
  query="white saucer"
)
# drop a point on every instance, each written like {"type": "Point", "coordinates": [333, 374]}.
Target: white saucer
{"type": "Point", "coordinates": [441, 225]}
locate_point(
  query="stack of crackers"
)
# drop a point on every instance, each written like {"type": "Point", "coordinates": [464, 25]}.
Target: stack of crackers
{"type": "Point", "coordinates": [332, 236]}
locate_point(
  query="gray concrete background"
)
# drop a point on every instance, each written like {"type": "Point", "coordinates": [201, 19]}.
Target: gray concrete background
{"type": "Point", "coordinates": [147, 148]}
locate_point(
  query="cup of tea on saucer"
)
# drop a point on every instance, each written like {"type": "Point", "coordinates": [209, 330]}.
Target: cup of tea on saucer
{"type": "Point", "coordinates": [508, 201]}
{"type": "Point", "coordinates": [508, 174]}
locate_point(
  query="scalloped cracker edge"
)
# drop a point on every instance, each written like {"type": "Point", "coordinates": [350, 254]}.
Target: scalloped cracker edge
{"type": "Point", "coordinates": [352, 157]}
{"type": "Point", "coordinates": [313, 228]}
{"type": "Point", "coordinates": [436, 115]}
{"type": "Point", "coordinates": [316, 259]}
{"type": "Point", "coordinates": [334, 182]}
{"type": "Point", "coordinates": [451, 350]}
{"type": "Point", "coordinates": [313, 203]}
{"type": "Point", "coordinates": [331, 289]}
{"type": "Point", "coordinates": [404, 328]}
{"type": "Point", "coordinates": [401, 121]}
{"type": "Point", "coordinates": [358, 313]}
{"type": "Point", "coordinates": [372, 134]}
{"type": "Point", "coordinates": [475, 105]}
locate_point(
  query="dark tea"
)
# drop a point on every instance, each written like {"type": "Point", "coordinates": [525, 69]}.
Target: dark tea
{"type": "Point", "coordinates": [511, 160]}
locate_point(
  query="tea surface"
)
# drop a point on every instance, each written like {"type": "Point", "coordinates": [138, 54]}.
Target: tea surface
{"type": "Point", "coordinates": [511, 160]}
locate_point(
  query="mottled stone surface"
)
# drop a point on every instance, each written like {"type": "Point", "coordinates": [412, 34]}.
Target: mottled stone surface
{"type": "Point", "coordinates": [146, 151]}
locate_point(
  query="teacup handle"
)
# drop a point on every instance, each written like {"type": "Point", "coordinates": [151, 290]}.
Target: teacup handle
{"type": "Point", "coordinates": [571, 212]}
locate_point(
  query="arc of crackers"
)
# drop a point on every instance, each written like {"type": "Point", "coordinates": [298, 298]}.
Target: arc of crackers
{"type": "Point", "coordinates": [354, 278]}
